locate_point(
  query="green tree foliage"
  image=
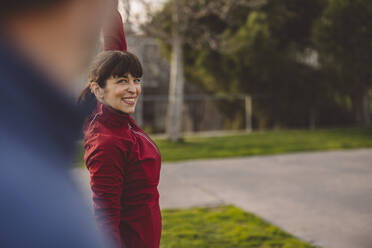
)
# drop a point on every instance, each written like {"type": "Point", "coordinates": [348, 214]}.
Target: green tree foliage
{"type": "Point", "coordinates": [343, 36]}
{"type": "Point", "coordinates": [264, 56]}
{"type": "Point", "coordinates": [270, 52]}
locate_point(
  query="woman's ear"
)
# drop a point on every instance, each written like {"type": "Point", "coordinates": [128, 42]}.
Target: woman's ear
{"type": "Point", "coordinates": [97, 91]}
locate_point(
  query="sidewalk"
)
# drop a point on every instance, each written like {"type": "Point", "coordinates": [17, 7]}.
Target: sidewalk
{"type": "Point", "coordinates": [323, 197]}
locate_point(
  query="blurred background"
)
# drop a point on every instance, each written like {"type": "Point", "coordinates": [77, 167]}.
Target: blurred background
{"type": "Point", "coordinates": [252, 64]}
{"type": "Point", "coordinates": [235, 78]}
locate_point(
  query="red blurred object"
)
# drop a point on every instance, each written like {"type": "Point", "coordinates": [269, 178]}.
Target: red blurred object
{"type": "Point", "coordinates": [114, 36]}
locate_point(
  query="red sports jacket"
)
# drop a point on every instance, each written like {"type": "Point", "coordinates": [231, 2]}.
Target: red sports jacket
{"type": "Point", "coordinates": [124, 164]}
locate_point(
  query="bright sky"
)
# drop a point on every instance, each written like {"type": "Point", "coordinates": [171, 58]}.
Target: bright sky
{"type": "Point", "coordinates": [137, 9]}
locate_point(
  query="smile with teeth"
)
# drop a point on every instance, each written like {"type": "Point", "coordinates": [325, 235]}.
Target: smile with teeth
{"type": "Point", "coordinates": [129, 100]}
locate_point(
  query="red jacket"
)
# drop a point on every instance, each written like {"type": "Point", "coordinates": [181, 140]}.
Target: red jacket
{"type": "Point", "coordinates": [124, 164]}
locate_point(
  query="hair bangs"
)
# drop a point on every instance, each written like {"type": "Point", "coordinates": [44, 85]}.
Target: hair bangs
{"type": "Point", "coordinates": [127, 63]}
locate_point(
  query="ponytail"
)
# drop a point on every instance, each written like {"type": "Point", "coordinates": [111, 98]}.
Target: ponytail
{"type": "Point", "coordinates": [87, 100]}
{"type": "Point", "coordinates": [85, 95]}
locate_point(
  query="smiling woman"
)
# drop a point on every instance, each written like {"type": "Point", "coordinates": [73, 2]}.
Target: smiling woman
{"type": "Point", "coordinates": [121, 93]}
{"type": "Point", "coordinates": [123, 161]}
{"type": "Point", "coordinates": [114, 80]}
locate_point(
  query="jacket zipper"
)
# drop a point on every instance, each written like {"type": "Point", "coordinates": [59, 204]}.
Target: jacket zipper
{"type": "Point", "coordinates": [91, 122]}
{"type": "Point", "coordinates": [156, 148]}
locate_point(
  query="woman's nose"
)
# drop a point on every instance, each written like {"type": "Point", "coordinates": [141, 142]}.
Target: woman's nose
{"type": "Point", "coordinates": [132, 87]}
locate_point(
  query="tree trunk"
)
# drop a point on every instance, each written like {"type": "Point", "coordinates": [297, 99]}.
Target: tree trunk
{"type": "Point", "coordinates": [175, 104]}
{"type": "Point", "coordinates": [248, 113]}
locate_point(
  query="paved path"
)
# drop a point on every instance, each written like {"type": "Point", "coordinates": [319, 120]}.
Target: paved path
{"type": "Point", "coordinates": [323, 197]}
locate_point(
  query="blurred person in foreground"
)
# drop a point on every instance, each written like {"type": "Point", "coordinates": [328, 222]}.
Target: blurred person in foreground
{"type": "Point", "coordinates": [124, 163]}
{"type": "Point", "coordinates": [44, 46]}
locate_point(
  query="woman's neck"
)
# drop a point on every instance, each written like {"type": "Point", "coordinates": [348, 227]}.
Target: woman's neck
{"type": "Point", "coordinates": [113, 109]}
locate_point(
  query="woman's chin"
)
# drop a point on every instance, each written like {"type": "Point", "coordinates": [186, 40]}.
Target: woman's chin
{"type": "Point", "coordinates": [128, 110]}
{"type": "Point", "coordinates": [123, 109]}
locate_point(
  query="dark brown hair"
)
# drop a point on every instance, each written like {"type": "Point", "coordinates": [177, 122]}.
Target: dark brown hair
{"type": "Point", "coordinates": [110, 64]}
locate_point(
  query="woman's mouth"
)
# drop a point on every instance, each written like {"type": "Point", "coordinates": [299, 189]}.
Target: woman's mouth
{"type": "Point", "coordinates": [129, 100]}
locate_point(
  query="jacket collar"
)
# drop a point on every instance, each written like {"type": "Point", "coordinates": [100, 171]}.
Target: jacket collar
{"type": "Point", "coordinates": [113, 117]}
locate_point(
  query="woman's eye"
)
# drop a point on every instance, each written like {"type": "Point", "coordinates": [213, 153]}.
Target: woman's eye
{"type": "Point", "coordinates": [138, 81]}
{"type": "Point", "coordinates": [123, 81]}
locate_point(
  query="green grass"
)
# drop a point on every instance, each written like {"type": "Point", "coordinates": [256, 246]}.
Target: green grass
{"type": "Point", "coordinates": [222, 227]}
{"type": "Point", "coordinates": [265, 143]}
{"type": "Point", "coordinates": [261, 143]}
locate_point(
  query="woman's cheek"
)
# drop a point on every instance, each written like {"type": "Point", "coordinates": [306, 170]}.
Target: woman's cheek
{"type": "Point", "coordinates": [139, 90]}
{"type": "Point", "coordinates": [120, 91]}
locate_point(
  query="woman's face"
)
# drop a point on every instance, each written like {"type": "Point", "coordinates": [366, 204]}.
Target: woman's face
{"type": "Point", "coordinates": [121, 93]}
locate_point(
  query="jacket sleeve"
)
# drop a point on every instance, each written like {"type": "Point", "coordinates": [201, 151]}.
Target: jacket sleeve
{"type": "Point", "coordinates": [113, 34]}
{"type": "Point", "coordinates": [107, 176]}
